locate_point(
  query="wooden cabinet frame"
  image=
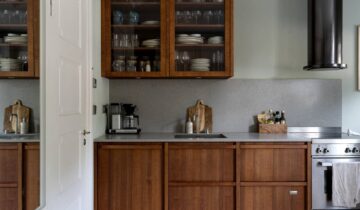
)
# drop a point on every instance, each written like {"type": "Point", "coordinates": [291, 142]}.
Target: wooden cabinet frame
{"type": "Point", "coordinates": [167, 46]}
{"type": "Point", "coordinates": [33, 46]}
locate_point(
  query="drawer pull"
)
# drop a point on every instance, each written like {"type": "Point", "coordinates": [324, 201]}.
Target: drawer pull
{"type": "Point", "coordinates": [293, 192]}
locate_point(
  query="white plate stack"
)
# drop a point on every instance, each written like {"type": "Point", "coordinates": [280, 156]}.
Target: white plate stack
{"type": "Point", "coordinates": [151, 22]}
{"type": "Point", "coordinates": [16, 39]}
{"type": "Point", "coordinates": [189, 39]}
{"type": "Point", "coordinates": [10, 64]}
{"type": "Point", "coordinates": [200, 64]}
{"type": "Point", "coordinates": [151, 43]}
{"type": "Point", "coordinates": [216, 40]}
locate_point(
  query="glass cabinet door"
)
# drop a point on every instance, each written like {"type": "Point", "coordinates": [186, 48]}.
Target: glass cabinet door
{"type": "Point", "coordinates": [201, 38]}
{"type": "Point", "coordinates": [16, 38]}
{"type": "Point", "coordinates": [135, 38]}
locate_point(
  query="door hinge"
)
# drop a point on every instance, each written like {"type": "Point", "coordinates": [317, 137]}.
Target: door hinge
{"type": "Point", "coordinates": [51, 7]}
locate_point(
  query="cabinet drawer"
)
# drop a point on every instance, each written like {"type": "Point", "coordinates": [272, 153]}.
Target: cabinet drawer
{"type": "Point", "coordinates": [273, 164]}
{"type": "Point", "coordinates": [9, 162]}
{"type": "Point", "coordinates": [272, 198]}
{"type": "Point", "coordinates": [195, 198]}
{"type": "Point", "coordinates": [8, 198]}
{"type": "Point", "coordinates": [199, 162]}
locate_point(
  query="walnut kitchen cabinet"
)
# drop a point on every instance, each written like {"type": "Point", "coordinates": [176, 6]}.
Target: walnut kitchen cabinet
{"type": "Point", "coordinates": [201, 176]}
{"type": "Point", "coordinates": [129, 177]}
{"type": "Point", "coordinates": [19, 54]}
{"type": "Point", "coordinates": [19, 172]}
{"type": "Point", "coordinates": [150, 31]}
{"type": "Point", "coordinates": [275, 176]}
{"type": "Point", "coordinates": [212, 176]}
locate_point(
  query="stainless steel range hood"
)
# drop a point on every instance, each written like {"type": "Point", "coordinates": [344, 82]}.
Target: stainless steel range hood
{"type": "Point", "coordinates": [325, 35]}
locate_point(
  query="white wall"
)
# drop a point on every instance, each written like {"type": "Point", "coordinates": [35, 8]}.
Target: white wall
{"type": "Point", "coordinates": [101, 93]}
{"type": "Point", "coordinates": [271, 42]}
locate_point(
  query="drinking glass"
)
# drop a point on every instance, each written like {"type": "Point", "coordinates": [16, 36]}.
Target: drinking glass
{"type": "Point", "coordinates": [134, 17]}
{"type": "Point", "coordinates": [15, 17]}
{"type": "Point", "coordinates": [219, 17]}
{"type": "Point", "coordinates": [186, 61]}
{"type": "Point", "coordinates": [196, 15]}
{"type": "Point", "coordinates": [208, 17]}
{"type": "Point", "coordinates": [118, 17]}
{"type": "Point", "coordinates": [23, 16]}
{"type": "Point", "coordinates": [5, 17]}
{"type": "Point", "coordinates": [116, 40]}
{"type": "Point", "coordinates": [178, 61]}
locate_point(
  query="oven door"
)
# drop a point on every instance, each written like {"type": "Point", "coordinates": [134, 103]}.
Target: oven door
{"type": "Point", "coordinates": [322, 182]}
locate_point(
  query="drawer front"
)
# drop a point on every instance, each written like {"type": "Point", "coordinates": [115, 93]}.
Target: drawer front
{"type": "Point", "coordinates": [272, 198]}
{"type": "Point", "coordinates": [273, 165]}
{"type": "Point", "coordinates": [201, 163]}
{"type": "Point", "coordinates": [195, 198]}
{"type": "Point", "coordinates": [9, 162]}
{"type": "Point", "coordinates": [8, 198]}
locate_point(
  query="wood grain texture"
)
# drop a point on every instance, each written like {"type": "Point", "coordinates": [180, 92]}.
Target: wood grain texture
{"type": "Point", "coordinates": [31, 176]}
{"type": "Point", "coordinates": [272, 128]}
{"type": "Point", "coordinates": [10, 174]}
{"type": "Point", "coordinates": [273, 165]}
{"type": "Point", "coordinates": [272, 198]}
{"type": "Point", "coordinates": [21, 111]}
{"type": "Point", "coordinates": [204, 115]}
{"type": "Point", "coordinates": [129, 179]}
{"type": "Point", "coordinates": [195, 198]}
{"type": "Point", "coordinates": [201, 164]}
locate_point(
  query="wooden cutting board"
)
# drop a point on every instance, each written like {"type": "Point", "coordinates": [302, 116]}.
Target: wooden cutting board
{"type": "Point", "coordinates": [204, 113]}
{"type": "Point", "coordinates": [21, 111]}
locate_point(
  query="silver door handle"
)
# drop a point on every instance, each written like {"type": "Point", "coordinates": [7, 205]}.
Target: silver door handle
{"type": "Point", "coordinates": [293, 192]}
{"type": "Point", "coordinates": [325, 164]}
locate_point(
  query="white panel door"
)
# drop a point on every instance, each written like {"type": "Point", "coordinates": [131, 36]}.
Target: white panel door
{"type": "Point", "coordinates": [67, 106]}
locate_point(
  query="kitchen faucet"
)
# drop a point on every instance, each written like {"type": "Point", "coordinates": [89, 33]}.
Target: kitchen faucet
{"type": "Point", "coordinates": [17, 122]}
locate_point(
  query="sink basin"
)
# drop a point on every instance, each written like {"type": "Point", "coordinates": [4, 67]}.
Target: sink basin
{"type": "Point", "coordinates": [13, 135]}
{"type": "Point", "coordinates": [200, 136]}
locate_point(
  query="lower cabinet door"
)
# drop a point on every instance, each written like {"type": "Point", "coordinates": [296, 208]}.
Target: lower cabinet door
{"type": "Point", "coordinates": [272, 198]}
{"type": "Point", "coordinates": [201, 198]}
{"type": "Point", "coordinates": [9, 199]}
{"type": "Point", "coordinates": [129, 177]}
{"type": "Point", "coordinates": [31, 171]}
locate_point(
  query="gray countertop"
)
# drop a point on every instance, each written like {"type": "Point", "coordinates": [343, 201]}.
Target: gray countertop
{"type": "Point", "coordinates": [231, 137]}
{"type": "Point", "coordinates": [22, 139]}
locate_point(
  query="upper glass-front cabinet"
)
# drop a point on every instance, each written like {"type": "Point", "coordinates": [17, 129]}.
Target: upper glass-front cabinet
{"type": "Point", "coordinates": [19, 29]}
{"type": "Point", "coordinates": [200, 38]}
{"type": "Point", "coordinates": [167, 38]}
{"type": "Point", "coordinates": [134, 38]}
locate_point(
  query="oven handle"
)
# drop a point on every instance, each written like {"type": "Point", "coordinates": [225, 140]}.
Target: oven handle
{"type": "Point", "coordinates": [325, 164]}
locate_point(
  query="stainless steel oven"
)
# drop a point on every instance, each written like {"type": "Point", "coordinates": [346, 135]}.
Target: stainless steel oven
{"type": "Point", "coordinates": [326, 152]}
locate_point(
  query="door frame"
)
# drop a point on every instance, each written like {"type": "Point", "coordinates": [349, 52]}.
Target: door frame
{"type": "Point", "coordinates": [89, 165]}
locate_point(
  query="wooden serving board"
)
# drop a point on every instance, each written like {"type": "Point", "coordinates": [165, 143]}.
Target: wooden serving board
{"type": "Point", "coordinates": [21, 111]}
{"type": "Point", "coordinates": [204, 113]}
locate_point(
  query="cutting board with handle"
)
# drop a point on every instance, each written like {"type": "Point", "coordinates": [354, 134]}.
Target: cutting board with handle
{"type": "Point", "coordinates": [204, 114]}
{"type": "Point", "coordinates": [21, 111]}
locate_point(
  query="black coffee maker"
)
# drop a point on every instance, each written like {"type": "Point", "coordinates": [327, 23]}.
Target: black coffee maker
{"type": "Point", "coordinates": [123, 120]}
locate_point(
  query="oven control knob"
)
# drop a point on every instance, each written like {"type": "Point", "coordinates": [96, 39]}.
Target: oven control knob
{"type": "Point", "coordinates": [355, 150]}
{"type": "Point", "coordinates": [326, 151]}
{"type": "Point", "coordinates": [347, 150]}
{"type": "Point", "coordinates": [318, 150]}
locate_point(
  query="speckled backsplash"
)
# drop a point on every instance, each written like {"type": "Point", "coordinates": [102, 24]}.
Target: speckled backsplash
{"type": "Point", "coordinates": [235, 102]}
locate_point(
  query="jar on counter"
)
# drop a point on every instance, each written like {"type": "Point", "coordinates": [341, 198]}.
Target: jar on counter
{"type": "Point", "coordinates": [119, 64]}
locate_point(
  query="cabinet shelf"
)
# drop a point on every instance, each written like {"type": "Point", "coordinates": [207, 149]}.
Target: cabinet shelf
{"type": "Point", "coordinates": [136, 49]}
{"type": "Point", "coordinates": [200, 27]}
{"type": "Point", "coordinates": [138, 27]}
{"type": "Point", "coordinates": [3, 45]}
{"type": "Point", "coordinates": [205, 5]}
{"type": "Point", "coordinates": [199, 45]}
{"type": "Point", "coordinates": [131, 4]}
{"type": "Point", "coordinates": [13, 26]}
{"type": "Point", "coordinates": [13, 3]}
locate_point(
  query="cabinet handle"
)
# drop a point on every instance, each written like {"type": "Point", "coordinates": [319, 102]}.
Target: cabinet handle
{"type": "Point", "coordinates": [293, 192]}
